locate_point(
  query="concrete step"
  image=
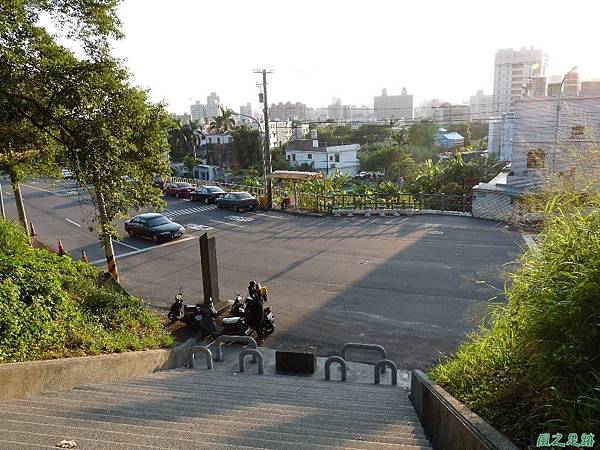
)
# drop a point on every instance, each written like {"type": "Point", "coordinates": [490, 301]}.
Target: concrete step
{"type": "Point", "coordinates": [31, 413]}
{"type": "Point", "coordinates": [134, 416]}
{"type": "Point", "coordinates": [98, 402]}
{"type": "Point", "coordinates": [194, 408]}
{"type": "Point", "coordinates": [191, 395]}
{"type": "Point", "coordinates": [293, 383]}
{"type": "Point", "coordinates": [110, 435]}
{"type": "Point", "coordinates": [197, 433]}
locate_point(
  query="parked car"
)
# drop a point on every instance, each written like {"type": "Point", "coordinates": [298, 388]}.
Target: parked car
{"type": "Point", "coordinates": [237, 201]}
{"type": "Point", "coordinates": [207, 194]}
{"type": "Point", "coordinates": [159, 182]}
{"type": "Point", "coordinates": [153, 226]}
{"type": "Point", "coordinates": [179, 189]}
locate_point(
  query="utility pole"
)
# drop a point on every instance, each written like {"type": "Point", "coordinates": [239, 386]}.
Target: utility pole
{"type": "Point", "coordinates": [560, 88]}
{"type": "Point", "coordinates": [266, 141]}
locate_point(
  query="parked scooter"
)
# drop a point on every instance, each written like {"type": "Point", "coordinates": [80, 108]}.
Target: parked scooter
{"type": "Point", "coordinates": [206, 318]}
{"type": "Point", "coordinates": [285, 201]}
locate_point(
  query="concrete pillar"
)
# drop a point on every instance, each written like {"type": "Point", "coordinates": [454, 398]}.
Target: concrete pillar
{"type": "Point", "coordinates": [210, 275]}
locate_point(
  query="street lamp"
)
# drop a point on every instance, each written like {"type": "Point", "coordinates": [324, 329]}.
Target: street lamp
{"type": "Point", "coordinates": [265, 180]}
{"type": "Point", "coordinates": [558, 114]}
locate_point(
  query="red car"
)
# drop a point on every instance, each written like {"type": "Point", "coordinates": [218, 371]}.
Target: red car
{"type": "Point", "coordinates": [179, 189]}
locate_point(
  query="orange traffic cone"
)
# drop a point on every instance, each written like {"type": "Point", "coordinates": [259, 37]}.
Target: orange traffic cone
{"type": "Point", "coordinates": [84, 257]}
{"type": "Point", "coordinates": [61, 248]}
{"type": "Point", "coordinates": [32, 230]}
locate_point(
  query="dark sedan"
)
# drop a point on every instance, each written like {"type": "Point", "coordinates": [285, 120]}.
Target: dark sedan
{"type": "Point", "coordinates": [179, 189]}
{"type": "Point", "coordinates": [238, 201]}
{"type": "Point", "coordinates": [207, 194]}
{"type": "Point", "coordinates": [153, 226]}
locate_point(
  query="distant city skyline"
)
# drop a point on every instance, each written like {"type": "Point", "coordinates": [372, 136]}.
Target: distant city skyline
{"type": "Point", "coordinates": [353, 60]}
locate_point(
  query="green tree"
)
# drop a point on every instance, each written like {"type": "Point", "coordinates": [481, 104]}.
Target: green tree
{"type": "Point", "coordinates": [110, 136]}
{"type": "Point", "coordinates": [393, 160]}
{"type": "Point", "coordinates": [247, 147]}
{"type": "Point", "coordinates": [224, 122]}
{"type": "Point", "coordinates": [422, 134]}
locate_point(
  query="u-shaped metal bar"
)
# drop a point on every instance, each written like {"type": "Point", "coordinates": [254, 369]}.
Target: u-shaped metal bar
{"type": "Point", "coordinates": [359, 346]}
{"type": "Point", "coordinates": [383, 363]}
{"type": "Point", "coordinates": [242, 339]}
{"type": "Point", "coordinates": [207, 354]}
{"type": "Point", "coordinates": [256, 355]}
{"type": "Point", "coordinates": [340, 361]}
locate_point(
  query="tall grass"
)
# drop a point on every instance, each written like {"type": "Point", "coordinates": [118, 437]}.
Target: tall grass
{"type": "Point", "coordinates": [534, 364]}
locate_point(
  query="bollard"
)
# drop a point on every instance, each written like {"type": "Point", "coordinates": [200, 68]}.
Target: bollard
{"type": "Point", "coordinates": [340, 361]}
{"type": "Point", "coordinates": [397, 210]}
{"type": "Point", "coordinates": [32, 230]}
{"type": "Point", "coordinates": [381, 210]}
{"type": "Point", "coordinates": [207, 355]}
{"type": "Point", "coordinates": [380, 366]}
{"type": "Point", "coordinates": [350, 210]}
{"type": "Point", "coordinates": [61, 248]}
{"type": "Point", "coordinates": [84, 257]}
{"type": "Point", "coordinates": [255, 355]}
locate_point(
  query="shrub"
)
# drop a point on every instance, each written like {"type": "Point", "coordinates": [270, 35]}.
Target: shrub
{"type": "Point", "coordinates": [52, 306]}
{"type": "Point", "coordinates": [534, 366]}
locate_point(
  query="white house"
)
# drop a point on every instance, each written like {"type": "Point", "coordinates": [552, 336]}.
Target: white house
{"type": "Point", "coordinates": [323, 157]}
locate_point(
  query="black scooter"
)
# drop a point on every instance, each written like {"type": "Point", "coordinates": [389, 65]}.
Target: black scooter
{"type": "Point", "coordinates": [207, 319]}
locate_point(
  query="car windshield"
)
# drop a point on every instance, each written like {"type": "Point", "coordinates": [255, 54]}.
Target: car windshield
{"type": "Point", "coordinates": [157, 221]}
{"type": "Point", "coordinates": [244, 195]}
{"type": "Point", "coordinates": [215, 189]}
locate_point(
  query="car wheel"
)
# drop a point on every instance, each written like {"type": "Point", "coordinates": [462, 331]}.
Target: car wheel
{"type": "Point", "coordinates": [219, 205]}
{"type": "Point", "coordinates": [131, 232]}
{"type": "Point", "coordinates": [155, 238]}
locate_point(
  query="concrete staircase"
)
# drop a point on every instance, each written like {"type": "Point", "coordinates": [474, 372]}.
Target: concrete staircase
{"type": "Point", "coordinates": [197, 409]}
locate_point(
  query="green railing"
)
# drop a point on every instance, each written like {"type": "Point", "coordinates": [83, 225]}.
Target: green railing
{"type": "Point", "coordinates": [326, 203]}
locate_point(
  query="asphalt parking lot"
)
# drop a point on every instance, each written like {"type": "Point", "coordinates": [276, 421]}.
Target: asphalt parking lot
{"type": "Point", "coordinates": [415, 284]}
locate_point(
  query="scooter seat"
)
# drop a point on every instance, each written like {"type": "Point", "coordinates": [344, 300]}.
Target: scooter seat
{"type": "Point", "coordinates": [231, 320]}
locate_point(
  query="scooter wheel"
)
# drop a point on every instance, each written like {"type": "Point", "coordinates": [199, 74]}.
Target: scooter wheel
{"type": "Point", "coordinates": [171, 317]}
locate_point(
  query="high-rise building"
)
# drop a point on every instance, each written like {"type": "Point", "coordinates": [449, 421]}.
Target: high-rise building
{"type": "Point", "coordinates": [590, 88]}
{"type": "Point", "coordinates": [198, 111]}
{"type": "Point", "coordinates": [288, 111]}
{"type": "Point", "coordinates": [212, 105]}
{"type": "Point", "coordinates": [393, 106]}
{"type": "Point", "coordinates": [334, 110]}
{"type": "Point", "coordinates": [537, 86]}
{"type": "Point", "coordinates": [425, 109]}
{"type": "Point", "coordinates": [572, 85]}
{"type": "Point", "coordinates": [513, 69]}
{"type": "Point", "coordinates": [480, 106]}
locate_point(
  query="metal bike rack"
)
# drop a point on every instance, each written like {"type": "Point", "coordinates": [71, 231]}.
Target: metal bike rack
{"type": "Point", "coordinates": [255, 355]}
{"type": "Point", "coordinates": [358, 346]}
{"type": "Point", "coordinates": [335, 359]}
{"type": "Point", "coordinates": [382, 364]}
{"type": "Point", "coordinates": [207, 354]}
{"type": "Point", "coordinates": [243, 339]}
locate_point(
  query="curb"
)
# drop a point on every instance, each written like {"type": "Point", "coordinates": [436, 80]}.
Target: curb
{"type": "Point", "coordinates": [25, 379]}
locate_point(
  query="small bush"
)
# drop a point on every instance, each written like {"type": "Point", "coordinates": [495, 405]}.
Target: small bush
{"type": "Point", "coordinates": [536, 366]}
{"type": "Point", "coordinates": [52, 307]}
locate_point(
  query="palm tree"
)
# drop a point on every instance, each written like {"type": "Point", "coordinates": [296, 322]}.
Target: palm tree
{"type": "Point", "coordinates": [224, 122]}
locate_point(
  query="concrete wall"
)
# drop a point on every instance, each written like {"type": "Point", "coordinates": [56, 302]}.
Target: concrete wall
{"type": "Point", "coordinates": [492, 205]}
{"type": "Point", "coordinates": [24, 379]}
{"type": "Point", "coordinates": [449, 424]}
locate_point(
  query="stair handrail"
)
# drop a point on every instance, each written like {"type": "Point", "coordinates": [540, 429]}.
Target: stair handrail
{"type": "Point", "coordinates": [242, 339]}
{"type": "Point", "coordinates": [335, 359]}
{"type": "Point", "coordinates": [386, 363]}
{"type": "Point", "coordinates": [207, 354]}
{"type": "Point", "coordinates": [361, 346]}
{"type": "Point", "coordinates": [255, 355]}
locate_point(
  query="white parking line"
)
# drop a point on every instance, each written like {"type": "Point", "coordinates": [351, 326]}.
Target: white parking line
{"type": "Point", "coordinates": [74, 223]}
{"type": "Point", "coordinates": [144, 250]}
{"type": "Point", "coordinates": [125, 245]}
{"type": "Point", "coordinates": [227, 223]}
{"type": "Point", "coordinates": [267, 215]}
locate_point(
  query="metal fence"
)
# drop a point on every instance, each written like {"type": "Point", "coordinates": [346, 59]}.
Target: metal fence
{"type": "Point", "coordinates": [326, 203]}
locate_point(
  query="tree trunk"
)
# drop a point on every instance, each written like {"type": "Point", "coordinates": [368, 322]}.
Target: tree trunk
{"type": "Point", "coordinates": [106, 237]}
{"type": "Point", "coordinates": [19, 200]}
{"type": "Point", "coordinates": [2, 212]}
